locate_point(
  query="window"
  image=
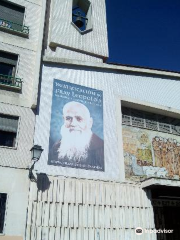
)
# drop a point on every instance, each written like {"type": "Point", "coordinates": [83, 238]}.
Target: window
{"type": "Point", "coordinates": [3, 198]}
{"type": "Point", "coordinates": [155, 122]}
{"type": "Point", "coordinates": [11, 17]}
{"type": "Point", "coordinates": [8, 64]}
{"type": "Point", "coordinates": [8, 130]}
{"type": "Point", "coordinates": [81, 15]}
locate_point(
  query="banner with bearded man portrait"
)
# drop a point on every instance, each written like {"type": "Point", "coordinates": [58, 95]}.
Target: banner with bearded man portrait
{"type": "Point", "coordinates": [76, 130]}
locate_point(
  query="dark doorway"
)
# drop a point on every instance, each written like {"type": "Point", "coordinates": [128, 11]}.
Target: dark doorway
{"type": "Point", "coordinates": [167, 218]}
{"type": "Point", "coordinates": [166, 205]}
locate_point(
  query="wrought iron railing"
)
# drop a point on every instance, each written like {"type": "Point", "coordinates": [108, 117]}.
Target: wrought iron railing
{"type": "Point", "coordinates": [10, 81]}
{"type": "Point", "coordinates": [154, 122]}
{"type": "Point", "coordinates": [14, 26]}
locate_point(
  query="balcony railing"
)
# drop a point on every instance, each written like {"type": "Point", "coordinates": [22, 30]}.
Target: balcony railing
{"type": "Point", "coordinates": [10, 81]}
{"type": "Point", "coordinates": [16, 27]}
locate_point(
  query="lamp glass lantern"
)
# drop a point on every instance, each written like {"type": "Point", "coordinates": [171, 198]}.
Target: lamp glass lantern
{"type": "Point", "coordinates": [36, 151]}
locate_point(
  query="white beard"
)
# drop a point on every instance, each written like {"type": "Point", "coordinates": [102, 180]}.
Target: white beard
{"type": "Point", "coordinates": [74, 144]}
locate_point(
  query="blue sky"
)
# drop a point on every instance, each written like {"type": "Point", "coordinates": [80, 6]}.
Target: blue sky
{"type": "Point", "coordinates": [144, 33]}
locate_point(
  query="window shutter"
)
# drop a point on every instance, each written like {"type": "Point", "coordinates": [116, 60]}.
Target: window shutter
{"type": "Point", "coordinates": [12, 13]}
{"type": "Point", "coordinates": [8, 123]}
{"type": "Point", "coordinates": [8, 58]}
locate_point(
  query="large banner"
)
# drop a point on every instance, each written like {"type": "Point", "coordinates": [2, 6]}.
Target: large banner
{"type": "Point", "coordinates": [76, 130]}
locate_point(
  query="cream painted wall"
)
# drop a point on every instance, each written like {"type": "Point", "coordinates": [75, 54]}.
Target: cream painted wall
{"type": "Point", "coordinates": [25, 70]}
{"type": "Point", "coordinates": [29, 52]}
{"type": "Point", "coordinates": [20, 156]}
{"type": "Point", "coordinates": [10, 238]}
{"type": "Point", "coordinates": [15, 184]}
{"type": "Point", "coordinates": [28, 68]}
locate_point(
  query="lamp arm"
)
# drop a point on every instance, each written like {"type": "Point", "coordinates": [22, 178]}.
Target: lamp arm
{"type": "Point", "coordinates": [31, 175]}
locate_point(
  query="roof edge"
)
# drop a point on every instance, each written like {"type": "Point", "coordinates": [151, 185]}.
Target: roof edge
{"type": "Point", "coordinates": [110, 66]}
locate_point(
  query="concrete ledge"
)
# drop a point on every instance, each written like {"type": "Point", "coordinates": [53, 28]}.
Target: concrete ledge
{"type": "Point", "coordinates": [151, 182]}
{"type": "Point", "coordinates": [110, 67]}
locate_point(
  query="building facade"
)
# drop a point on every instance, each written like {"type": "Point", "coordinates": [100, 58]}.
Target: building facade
{"type": "Point", "coordinates": [21, 32]}
{"type": "Point", "coordinates": [110, 136]}
{"type": "Point", "coordinates": [127, 175]}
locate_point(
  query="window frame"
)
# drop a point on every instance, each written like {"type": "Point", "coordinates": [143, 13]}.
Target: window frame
{"type": "Point", "coordinates": [15, 147]}
{"type": "Point", "coordinates": [90, 23]}
{"type": "Point", "coordinates": [17, 62]}
{"type": "Point", "coordinates": [16, 68]}
{"type": "Point", "coordinates": [13, 31]}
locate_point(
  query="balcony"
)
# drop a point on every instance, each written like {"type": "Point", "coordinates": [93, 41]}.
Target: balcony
{"type": "Point", "coordinates": [14, 28]}
{"type": "Point", "coordinates": [10, 82]}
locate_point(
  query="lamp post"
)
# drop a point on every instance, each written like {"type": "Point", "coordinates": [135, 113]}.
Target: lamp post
{"type": "Point", "coordinates": [36, 151]}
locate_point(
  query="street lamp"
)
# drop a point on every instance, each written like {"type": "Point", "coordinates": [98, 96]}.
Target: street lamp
{"type": "Point", "coordinates": [36, 151]}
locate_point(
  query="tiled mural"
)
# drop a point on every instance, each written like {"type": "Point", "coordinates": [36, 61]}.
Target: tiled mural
{"type": "Point", "coordinates": [151, 153]}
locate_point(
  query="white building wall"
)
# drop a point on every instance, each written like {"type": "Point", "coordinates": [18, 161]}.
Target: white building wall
{"type": "Point", "coordinates": [13, 181]}
{"type": "Point", "coordinates": [15, 185]}
{"type": "Point", "coordinates": [26, 70]}
{"type": "Point", "coordinates": [145, 88]}
{"type": "Point", "coordinates": [84, 204]}
{"type": "Point", "coordinates": [29, 53]}
{"type": "Point", "coordinates": [62, 53]}
{"type": "Point", "coordinates": [62, 35]}
{"type": "Point", "coordinates": [20, 155]}
{"type": "Point", "coordinates": [77, 209]}
{"type": "Point", "coordinates": [32, 17]}
{"type": "Point", "coordinates": [28, 66]}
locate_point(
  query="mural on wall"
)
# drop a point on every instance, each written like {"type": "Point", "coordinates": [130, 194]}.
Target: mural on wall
{"type": "Point", "coordinates": [76, 128]}
{"type": "Point", "coordinates": [151, 153]}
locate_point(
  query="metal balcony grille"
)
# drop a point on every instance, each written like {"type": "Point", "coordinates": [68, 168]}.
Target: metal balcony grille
{"type": "Point", "coordinates": [155, 122]}
{"type": "Point", "coordinates": [11, 81]}
{"type": "Point", "coordinates": [14, 26]}
{"type": "Point", "coordinates": [3, 198]}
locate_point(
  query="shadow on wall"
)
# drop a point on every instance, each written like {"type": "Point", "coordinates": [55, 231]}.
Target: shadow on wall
{"type": "Point", "coordinates": [43, 182]}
